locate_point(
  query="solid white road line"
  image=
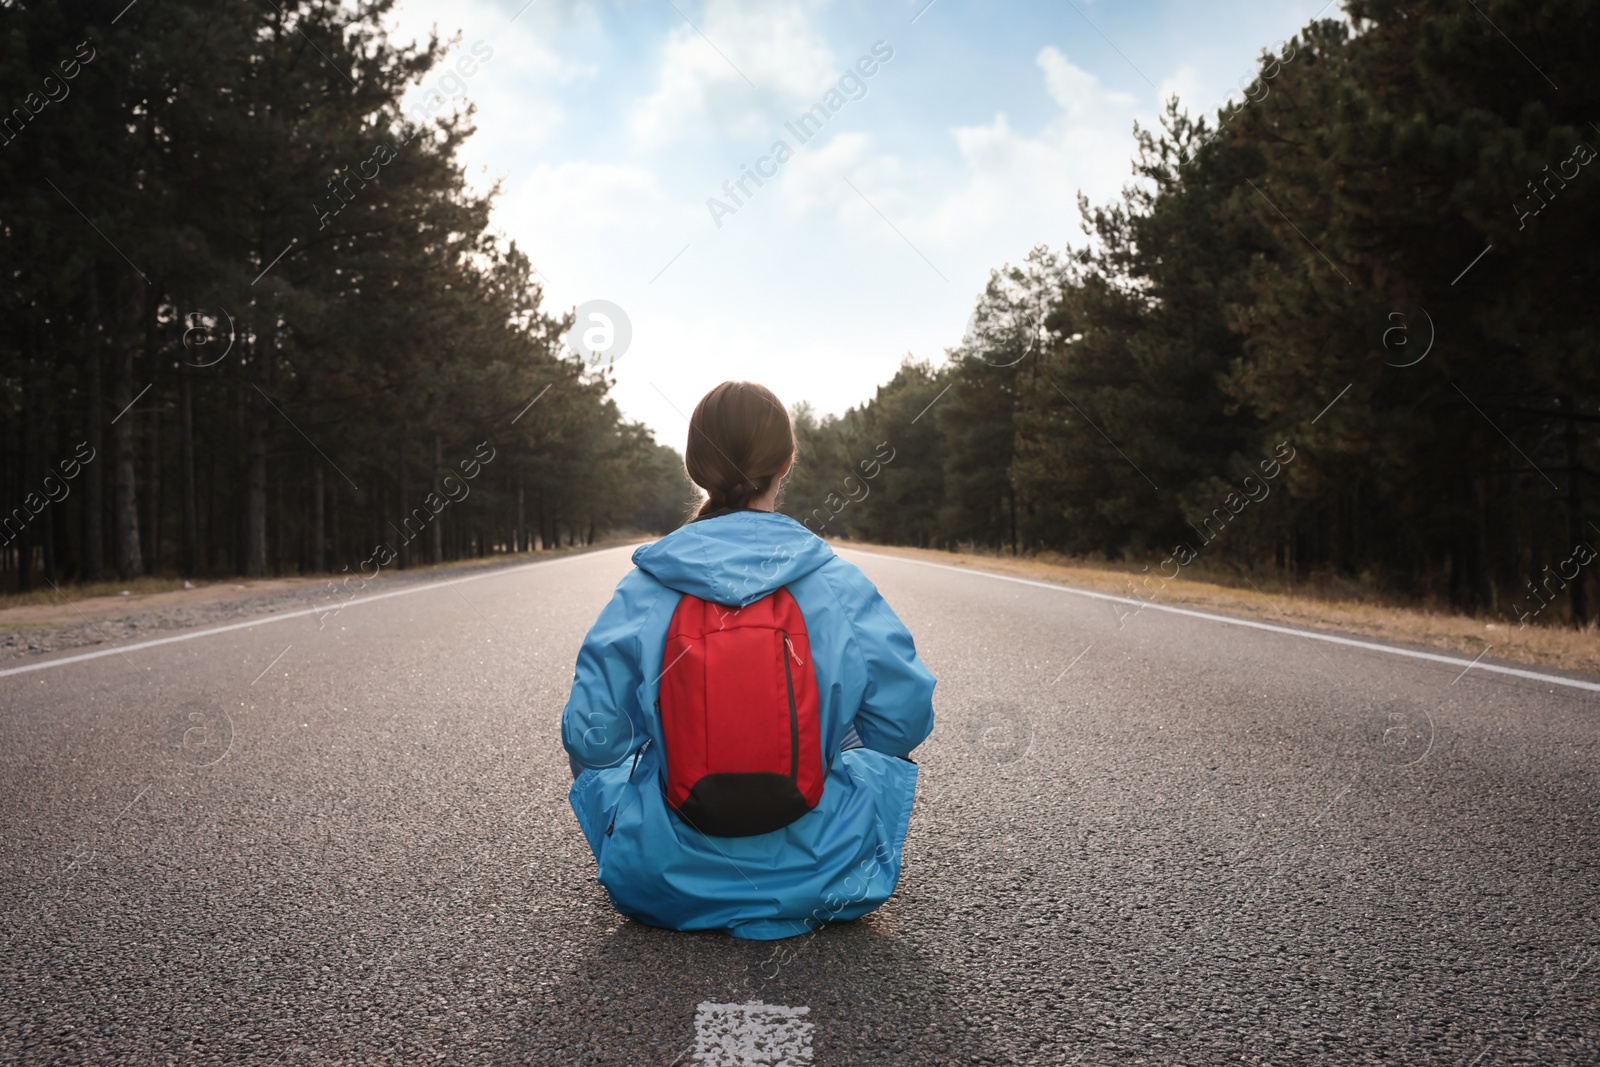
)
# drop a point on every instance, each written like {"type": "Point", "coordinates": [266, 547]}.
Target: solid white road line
{"type": "Point", "coordinates": [265, 619]}
{"type": "Point", "coordinates": [734, 1035]}
{"type": "Point", "coordinates": [1371, 646]}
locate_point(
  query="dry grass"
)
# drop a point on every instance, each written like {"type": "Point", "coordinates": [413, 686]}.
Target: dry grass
{"type": "Point", "coordinates": [45, 594]}
{"type": "Point", "coordinates": [103, 600]}
{"type": "Point", "coordinates": [1357, 614]}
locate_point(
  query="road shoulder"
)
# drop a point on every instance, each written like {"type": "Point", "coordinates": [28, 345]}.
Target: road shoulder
{"type": "Point", "coordinates": [1564, 648]}
{"type": "Point", "coordinates": [31, 630]}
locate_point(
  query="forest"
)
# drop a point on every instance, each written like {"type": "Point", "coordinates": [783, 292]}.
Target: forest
{"type": "Point", "coordinates": [255, 322]}
{"type": "Point", "coordinates": [1341, 329]}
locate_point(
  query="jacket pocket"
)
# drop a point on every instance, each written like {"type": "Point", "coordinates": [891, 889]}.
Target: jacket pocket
{"type": "Point", "coordinates": [625, 791]}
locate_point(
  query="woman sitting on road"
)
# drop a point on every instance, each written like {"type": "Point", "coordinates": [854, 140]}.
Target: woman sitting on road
{"type": "Point", "coordinates": [743, 708]}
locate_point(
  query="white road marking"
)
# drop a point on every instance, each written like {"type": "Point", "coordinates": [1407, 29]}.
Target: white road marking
{"type": "Point", "coordinates": [1371, 646]}
{"type": "Point", "coordinates": [265, 619]}
{"type": "Point", "coordinates": [751, 1035]}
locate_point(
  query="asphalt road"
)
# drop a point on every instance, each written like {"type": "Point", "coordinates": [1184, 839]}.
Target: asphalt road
{"type": "Point", "coordinates": [1151, 838]}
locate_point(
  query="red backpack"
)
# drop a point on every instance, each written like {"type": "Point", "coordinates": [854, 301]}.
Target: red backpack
{"type": "Point", "coordinates": [739, 716]}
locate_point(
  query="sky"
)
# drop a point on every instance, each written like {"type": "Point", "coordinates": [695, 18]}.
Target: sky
{"type": "Point", "coordinates": [618, 131]}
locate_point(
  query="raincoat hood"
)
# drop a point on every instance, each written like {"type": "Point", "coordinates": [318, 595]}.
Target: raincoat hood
{"type": "Point", "coordinates": [734, 559]}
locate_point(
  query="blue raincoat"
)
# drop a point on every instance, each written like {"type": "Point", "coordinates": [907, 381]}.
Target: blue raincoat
{"type": "Point", "coordinates": [837, 862]}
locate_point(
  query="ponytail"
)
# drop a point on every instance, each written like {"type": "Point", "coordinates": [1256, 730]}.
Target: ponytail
{"type": "Point", "coordinates": [740, 440]}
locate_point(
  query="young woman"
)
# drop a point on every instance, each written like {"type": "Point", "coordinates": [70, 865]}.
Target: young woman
{"type": "Point", "coordinates": [743, 708]}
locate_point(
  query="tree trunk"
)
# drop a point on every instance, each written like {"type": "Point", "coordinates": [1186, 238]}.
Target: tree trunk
{"type": "Point", "coordinates": [213, 554]}
{"type": "Point", "coordinates": [1510, 553]}
{"type": "Point", "coordinates": [438, 487]}
{"type": "Point", "coordinates": [319, 556]}
{"type": "Point", "coordinates": [1011, 491]}
{"type": "Point", "coordinates": [189, 551]}
{"type": "Point", "coordinates": [1580, 601]}
{"type": "Point", "coordinates": [94, 550]}
{"type": "Point", "coordinates": [1483, 588]}
{"type": "Point", "coordinates": [48, 543]}
{"type": "Point", "coordinates": [279, 540]}
{"type": "Point", "coordinates": [24, 539]}
{"type": "Point", "coordinates": [125, 505]}
{"type": "Point", "coordinates": [405, 500]}
{"type": "Point", "coordinates": [255, 562]}
{"type": "Point", "coordinates": [333, 514]}
{"type": "Point", "coordinates": [58, 544]}
{"type": "Point", "coordinates": [233, 495]}
{"type": "Point", "coordinates": [151, 533]}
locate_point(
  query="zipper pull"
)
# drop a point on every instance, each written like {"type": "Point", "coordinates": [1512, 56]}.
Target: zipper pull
{"type": "Point", "coordinates": [639, 752]}
{"type": "Point", "coordinates": [798, 662]}
{"type": "Point", "coordinates": [636, 756]}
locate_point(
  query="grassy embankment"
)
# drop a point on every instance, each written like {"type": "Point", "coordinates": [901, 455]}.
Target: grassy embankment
{"type": "Point", "coordinates": [1322, 604]}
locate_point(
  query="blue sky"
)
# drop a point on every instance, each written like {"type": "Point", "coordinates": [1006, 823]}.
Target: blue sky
{"type": "Point", "coordinates": [610, 124]}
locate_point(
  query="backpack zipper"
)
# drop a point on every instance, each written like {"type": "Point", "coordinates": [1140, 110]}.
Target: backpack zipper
{"type": "Point", "coordinates": [794, 716]}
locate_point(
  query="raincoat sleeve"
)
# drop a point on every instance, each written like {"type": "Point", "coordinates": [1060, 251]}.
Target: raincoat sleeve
{"type": "Point", "coordinates": [896, 713]}
{"type": "Point", "coordinates": [603, 722]}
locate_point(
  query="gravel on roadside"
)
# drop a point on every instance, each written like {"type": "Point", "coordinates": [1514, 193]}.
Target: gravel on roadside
{"type": "Point", "coordinates": [21, 642]}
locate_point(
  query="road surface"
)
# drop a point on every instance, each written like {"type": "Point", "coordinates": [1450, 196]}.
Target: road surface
{"type": "Point", "coordinates": [1140, 837]}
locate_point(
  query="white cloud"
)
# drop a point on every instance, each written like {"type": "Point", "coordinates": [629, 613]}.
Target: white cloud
{"type": "Point", "coordinates": [700, 91]}
{"type": "Point", "coordinates": [519, 94]}
{"type": "Point", "coordinates": [1024, 188]}
{"type": "Point", "coordinates": [520, 89]}
{"type": "Point", "coordinates": [1011, 189]}
{"type": "Point", "coordinates": [535, 61]}
{"type": "Point", "coordinates": [1076, 91]}
{"type": "Point", "coordinates": [577, 220]}
{"type": "Point", "coordinates": [816, 174]}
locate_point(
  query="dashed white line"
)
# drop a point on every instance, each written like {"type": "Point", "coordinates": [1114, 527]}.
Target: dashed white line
{"type": "Point", "coordinates": [737, 1035]}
